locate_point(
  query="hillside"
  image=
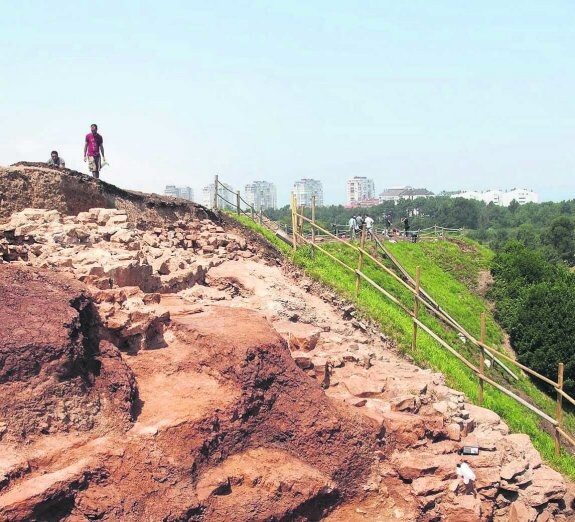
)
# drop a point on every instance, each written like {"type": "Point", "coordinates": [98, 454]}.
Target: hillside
{"type": "Point", "coordinates": [162, 362]}
{"type": "Point", "coordinates": [455, 274]}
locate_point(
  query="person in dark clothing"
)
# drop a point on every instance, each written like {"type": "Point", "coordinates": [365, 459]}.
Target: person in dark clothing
{"type": "Point", "coordinates": [405, 222]}
{"type": "Point", "coordinates": [388, 225]}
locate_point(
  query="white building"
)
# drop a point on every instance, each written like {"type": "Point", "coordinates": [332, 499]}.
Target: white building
{"type": "Point", "coordinates": [227, 192]}
{"type": "Point", "coordinates": [522, 196]}
{"type": "Point", "coordinates": [501, 198]}
{"type": "Point", "coordinates": [359, 188]}
{"type": "Point", "coordinates": [260, 194]}
{"type": "Point", "coordinates": [396, 193]}
{"type": "Point", "coordinates": [305, 188]}
{"type": "Point", "coordinates": [179, 192]}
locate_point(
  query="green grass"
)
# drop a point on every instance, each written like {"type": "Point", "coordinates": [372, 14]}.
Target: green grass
{"type": "Point", "coordinates": [448, 273]}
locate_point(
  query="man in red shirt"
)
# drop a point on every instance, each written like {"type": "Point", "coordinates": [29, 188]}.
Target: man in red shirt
{"type": "Point", "coordinates": [92, 148]}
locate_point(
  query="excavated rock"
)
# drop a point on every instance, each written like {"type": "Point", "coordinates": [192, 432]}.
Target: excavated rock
{"type": "Point", "coordinates": [53, 375]}
{"type": "Point", "coordinates": [33, 185]}
{"type": "Point", "coordinates": [238, 433]}
{"type": "Point", "coordinates": [163, 387]}
{"type": "Point", "coordinates": [102, 248]}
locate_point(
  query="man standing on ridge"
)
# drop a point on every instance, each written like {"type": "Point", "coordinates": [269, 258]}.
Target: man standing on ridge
{"type": "Point", "coordinates": [93, 145]}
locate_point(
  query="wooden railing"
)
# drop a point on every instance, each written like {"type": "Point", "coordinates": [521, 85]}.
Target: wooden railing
{"type": "Point", "coordinates": [421, 298]}
{"type": "Point", "coordinates": [424, 299]}
{"type": "Point", "coordinates": [247, 209]}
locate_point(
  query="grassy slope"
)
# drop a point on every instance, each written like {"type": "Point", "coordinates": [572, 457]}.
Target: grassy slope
{"type": "Point", "coordinates": [444, 266]}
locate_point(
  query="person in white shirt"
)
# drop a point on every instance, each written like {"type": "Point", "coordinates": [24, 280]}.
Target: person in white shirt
{"type": "Point", "coordinates": [352, 227]}
{"type": "Point", "coordinates": [464, 471]}
{"type": "Point", "coordinates": [369, 226]}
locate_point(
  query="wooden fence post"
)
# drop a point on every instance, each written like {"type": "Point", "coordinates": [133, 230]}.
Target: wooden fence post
{"type": "Point", "coordinates": [293, 221]}
{"type": "Point", "coordinates": [360, 260]}
{"type": "Point", "coordinates": [216, 182]}
{"type": "Point", "coordinates": [559, 408]}
{"type": "Point", "coordinates": [238, 202]}
{"type": "Point", "coordinates": [252, 212]}
{"type": "Point", "coordinates": [261, 217]}
{"type": "Point", "coordinates": [481, 359]}
{"type": "Point", "coordinates": [313, 219]}
{"type": "Point", "coordinates": [416, 307]}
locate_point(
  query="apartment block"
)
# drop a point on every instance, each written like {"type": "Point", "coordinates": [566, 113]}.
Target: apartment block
{"type": "Point", "coordinates": [183, 192]}
{"type": "Point", "coordinates": [359, 190]}
{"type": "Point", "coordinates": [501, 198]}
{"type": "Point", "coordinates": [305, 188]}
{"type": "Point", "coordinates": [261, 195]}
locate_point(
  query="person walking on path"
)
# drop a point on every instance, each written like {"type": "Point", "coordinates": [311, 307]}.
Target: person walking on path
{"type": "Point", "coordinates": [56, 161]}
{"type": "Point", "coordinates": [388, 225]}
{"type": "Point", "coordinates": [359, 223]}
{"type": "Point", "coordinates": [93, 146]}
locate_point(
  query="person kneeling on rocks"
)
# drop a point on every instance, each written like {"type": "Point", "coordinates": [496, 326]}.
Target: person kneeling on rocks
{"type": "Point", "coordinates": [466, 473]}
{"type": "Point", "coordinates": [56, 161]}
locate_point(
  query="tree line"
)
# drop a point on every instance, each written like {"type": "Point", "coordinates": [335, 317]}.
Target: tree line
{"type": "Point", "coordinates": [550, 226]}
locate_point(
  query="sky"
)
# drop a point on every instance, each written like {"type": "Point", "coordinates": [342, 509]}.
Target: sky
{"type": "Point", "coordinates": [440, 94]}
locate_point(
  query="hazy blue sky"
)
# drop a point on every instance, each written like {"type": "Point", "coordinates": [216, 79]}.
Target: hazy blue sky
{"type": "Point", "coordinates": [434, 93]}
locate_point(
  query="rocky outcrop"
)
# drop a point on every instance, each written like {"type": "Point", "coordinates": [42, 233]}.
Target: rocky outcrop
{"type": "Point", "coordinates": [228, 427]}
{"type": "Point", "coordinates": [53, 375]}
{"type": "Point", "coordinates": [35, 185]}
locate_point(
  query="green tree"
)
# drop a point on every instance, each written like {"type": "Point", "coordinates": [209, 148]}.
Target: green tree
{"type": "Point", "coordinates": [544, 331]}
{"type": "Point", "coordinates": [561, 236]}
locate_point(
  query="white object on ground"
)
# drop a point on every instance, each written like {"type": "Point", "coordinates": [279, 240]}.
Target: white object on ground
{"type": "Point", "coordinates": [463, 470]}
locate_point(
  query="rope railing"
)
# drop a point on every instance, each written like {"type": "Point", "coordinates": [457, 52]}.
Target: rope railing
{"type": "Point", "coordinates": [435, 308]}
{"type": "Point", "coordinates": [422, 297]}
{"type": "Point", "coordinates": [434, 232]}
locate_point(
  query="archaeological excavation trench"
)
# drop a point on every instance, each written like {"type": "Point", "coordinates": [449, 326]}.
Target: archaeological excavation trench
{"type": "Point", "coordinates": [160, 363]}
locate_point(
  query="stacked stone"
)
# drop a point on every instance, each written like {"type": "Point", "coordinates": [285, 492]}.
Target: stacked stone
{"type": "Point", "coordinates": [425, 424]}
{"type": "Point", "coordinates": [103, 248]}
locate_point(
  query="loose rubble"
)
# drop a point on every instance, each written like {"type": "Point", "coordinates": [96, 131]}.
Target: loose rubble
{"type": "Point", "coordinates": [103, 249]}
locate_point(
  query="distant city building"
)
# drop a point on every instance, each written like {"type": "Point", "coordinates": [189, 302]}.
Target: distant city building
{"type": "Point", "coordinates": [397, 193]}
{"type": "Point", "coordinates": [522, 196]}
{"type": "Point", "coordinates": [502, 198]}
{"type": "Point", "coordinates": [359, 190]}
{"type": "Point", "coordinates": [366, 203]}
{"type": "Point", "coordinates": [260, 194]}
{"type": "Point", "coordinates": [179, 192]}
{"type": "Point", "coordinates": [305, 188]}
{"type": "Point", "coordinates": [227, 193]}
